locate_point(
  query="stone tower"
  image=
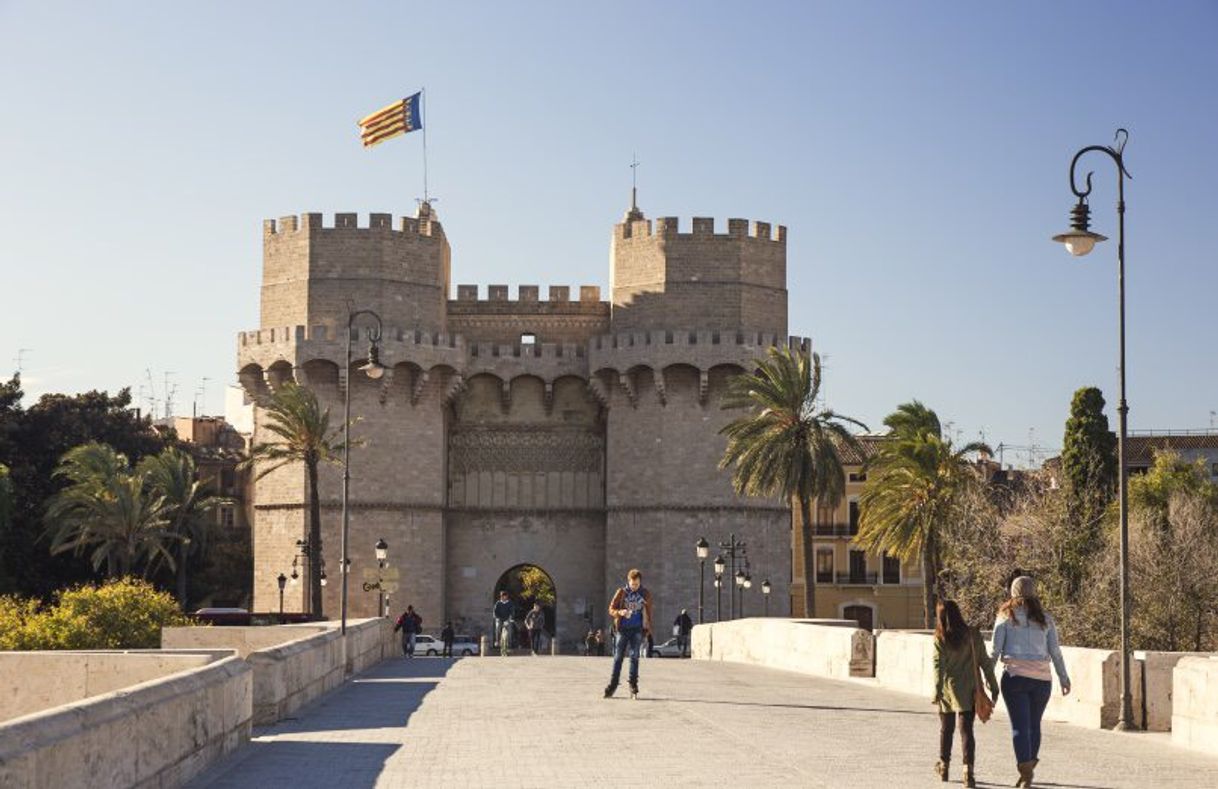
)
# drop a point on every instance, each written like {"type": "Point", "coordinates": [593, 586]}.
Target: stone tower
{"type": "Point", "coordinates": [575, 435]}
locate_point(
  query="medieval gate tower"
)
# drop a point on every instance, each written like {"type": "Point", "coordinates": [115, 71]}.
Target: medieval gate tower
{"type": "Point", "coordinates": [575, 434]}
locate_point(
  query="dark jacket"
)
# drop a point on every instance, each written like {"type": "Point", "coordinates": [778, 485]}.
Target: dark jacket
{"type": "Point", "coordinates": [684, 623]}
{"type": "Point", "coordinates": [955, 678]}
{"type": "Point", "coordinates": [446, 634]}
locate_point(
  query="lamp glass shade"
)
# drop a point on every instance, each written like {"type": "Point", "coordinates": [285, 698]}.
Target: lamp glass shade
{"type": "Point", "coordinates": [373, 370]}
{"type": "Point", "coordinates": [748, 582]}
{"type": "Point", "coordinates": [740, 578]}
{"type": "Point", "coordinates": [382, 550]}
{"type": "Point", "coordinates": [719, 565]}
{"type": "Point", "coordinates": [702, 547]}
{"type": "Point", "coordinates": [765, 587]}
{"type": "Point", "coordinates": [1079, 242]}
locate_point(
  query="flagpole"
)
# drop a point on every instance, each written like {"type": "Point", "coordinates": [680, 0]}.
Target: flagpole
{"type": "Point", "coordinates": [426, 123]}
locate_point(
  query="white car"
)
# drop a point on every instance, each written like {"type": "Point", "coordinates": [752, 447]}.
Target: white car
{"type": "Point", "coordinates": [463, 646]}
{"type": "Point", "coordinates": [668, 649]}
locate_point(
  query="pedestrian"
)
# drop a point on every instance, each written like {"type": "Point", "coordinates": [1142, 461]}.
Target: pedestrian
{"type": "Point", "coordinates": [960, 657]}
{"type": "Point", "coordinates": [410, 623]}
{"type": "Point", "coordinates": [682, 626]}
{"type": "Point", "coordinates": [1025, 638]}
{"type": "Point", "coordinates": [534, 621]}
{"type": "Point", "coordinates": [446, 635]}
{"type": "Point", "coordinates": [590, 643]}
{"type": "Point", "coordinates": [600, 642]}
{"type": "Point", "coordinates": [631, 612]}
{"type": "Point", "coordinates": [503, 614]}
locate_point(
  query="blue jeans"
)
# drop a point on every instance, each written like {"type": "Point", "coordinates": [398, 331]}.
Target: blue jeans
{"type": "Point", "coordinates": [630, 640]}
{"type": "Point", "coordinates": [1026, 700]}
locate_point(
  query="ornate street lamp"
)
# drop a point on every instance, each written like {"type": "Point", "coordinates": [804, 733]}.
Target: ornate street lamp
{"type": "Point", "coordinates": [282, 580]}
{"type": "Point", "coordinates": [373, 368]}
{"type": "Point", "coordinates": [702, 549]}
{"type": "Point", "coordinates": [740, 590]}
{"type": "Point", "coordinates": [719, 567]}
{"type": "Point", "coordinates": [1079, 240]}
{"type": "Point", "coordinates": [765, 594]}
{"type": "Point", "coordinates": [382, 554]}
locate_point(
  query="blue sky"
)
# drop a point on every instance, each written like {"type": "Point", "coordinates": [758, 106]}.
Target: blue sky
{"type": "Point", "coordinates": [917, 152]}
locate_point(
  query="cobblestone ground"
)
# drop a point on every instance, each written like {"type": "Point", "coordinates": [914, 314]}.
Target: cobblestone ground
{"type": "Point", "coordinates": [541, 722]}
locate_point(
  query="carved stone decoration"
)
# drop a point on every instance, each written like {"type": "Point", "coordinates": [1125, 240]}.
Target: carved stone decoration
{"type": "Point", "coordinates": [703, 386]}
{"type": "Point", "coordinates": [548, 401]}
{"type": "Point", "coordinates": [506, 396]}
{"type": "Point", "coordinates": [599, 393]}
{"type": "Point", "coordinates": [524, 448]}
{"type": "Point", "coordinates": [456, 385]}
{"type": "Point", "coordinates": [658, 377]}
{"type": "Point", "coordinates": [420, 383]}
{"type": "Point", "coordinates": [628, 387]}
{"type": "Point", "coordinates": [386, 383]}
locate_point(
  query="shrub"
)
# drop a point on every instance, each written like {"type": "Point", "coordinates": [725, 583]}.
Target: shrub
{"type": "Point", "coordinates": [123, 614]}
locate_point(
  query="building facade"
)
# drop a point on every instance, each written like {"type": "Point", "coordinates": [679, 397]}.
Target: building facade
{"type": "Point", "coordinates": [576, 434]}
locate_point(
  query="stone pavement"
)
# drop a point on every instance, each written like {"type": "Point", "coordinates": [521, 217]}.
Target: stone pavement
{"type": "Point", "coordinates": [540, 722]}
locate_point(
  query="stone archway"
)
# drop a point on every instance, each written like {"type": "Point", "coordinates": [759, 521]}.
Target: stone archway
{"type": "Point", "coordinates": [527, 584]}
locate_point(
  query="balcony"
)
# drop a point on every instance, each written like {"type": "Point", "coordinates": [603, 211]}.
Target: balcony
{"type": "Point", "coordinates": [858, 579]}
{"type": "Point", "coordinates": [834, 530]}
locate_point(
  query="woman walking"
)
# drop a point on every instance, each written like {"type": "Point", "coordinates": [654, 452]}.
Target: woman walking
{"type": "Point", "coordinates": [959, 657]}
{"type": "Point", "coordinates": [1025, 638]}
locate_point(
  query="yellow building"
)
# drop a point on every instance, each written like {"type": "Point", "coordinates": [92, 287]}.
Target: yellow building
{"type": "Point", "coordinates": [876, 590]}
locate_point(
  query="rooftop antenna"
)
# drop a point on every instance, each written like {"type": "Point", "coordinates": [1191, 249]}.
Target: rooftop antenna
{"type": "Point", "coordinates": [21, 352]}
{"type": "Point", "coordinates": [169, 393]}
{"type": "Point", "coordinates": [151, 394]}
{"type": "Point", "coordinates": [1213, 415]}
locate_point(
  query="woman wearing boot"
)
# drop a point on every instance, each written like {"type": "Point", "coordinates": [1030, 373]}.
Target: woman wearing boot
{"type": "Point", "coordinates": [959, 653]}
{"type": "Point", "coordinates": [1025, 638]}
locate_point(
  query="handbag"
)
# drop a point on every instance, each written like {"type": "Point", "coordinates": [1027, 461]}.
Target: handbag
{"type": "Point", "coordinates": [982, 704]}
{"type": "Point", "coordinates": [676, 630]}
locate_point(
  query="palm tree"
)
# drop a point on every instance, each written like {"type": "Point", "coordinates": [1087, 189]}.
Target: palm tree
{"type": "Point", "coordinates": [189, 504]}
{"type": "Point", "coordinates": [106, 508]}
{"type": "Point", "coordinates": [915, 485]}
{"type": "Point", "coordinates": [787, 446]}
{"type": "Point", "coordinates": [294, 416]}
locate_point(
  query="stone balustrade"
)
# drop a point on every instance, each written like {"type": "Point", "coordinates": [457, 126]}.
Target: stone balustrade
{"type": "Point", "coordinates": [831, 648]}
{"type": "Point", "coordinates": [1194, 720]}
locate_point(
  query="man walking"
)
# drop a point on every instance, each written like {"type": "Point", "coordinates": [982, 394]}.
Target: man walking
{"type": "Point", "coordinates": [631, 612]}
{"type": "Point", "coordinates": [682, 626]}
{"type": "Point", "coordinates": [535, 620]}
{"type": "Point", "coordinates": [410, 623]}
{"type": "Point", "coordinates": [504, 611]}
{"type": "Point", "coordinates": [446, 635]}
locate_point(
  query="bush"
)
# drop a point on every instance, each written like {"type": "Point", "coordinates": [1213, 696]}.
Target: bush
{"type": "Point", "coordinates": [124, 614]}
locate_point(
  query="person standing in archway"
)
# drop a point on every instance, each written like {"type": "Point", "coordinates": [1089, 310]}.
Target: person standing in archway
{"type": "Point", "coordinates": [504, 611]}
{"type": "Point", "coordinates": [631, 612]}
{"type": "Point", "coordinates": [535, 620]}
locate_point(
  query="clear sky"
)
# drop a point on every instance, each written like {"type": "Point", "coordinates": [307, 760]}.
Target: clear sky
{"type": "Point", "coordinates": [918, 153]}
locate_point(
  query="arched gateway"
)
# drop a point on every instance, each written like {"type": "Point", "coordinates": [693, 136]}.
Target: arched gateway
{"type": "Point", "coordinates": [527, 584]}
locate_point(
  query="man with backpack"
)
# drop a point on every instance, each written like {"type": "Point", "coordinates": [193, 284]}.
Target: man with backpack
{"type": "Point", "coordinates": [631, 613]}
{"type": "Point", "coordinates": [682, 626]}
{"type": "Point", "coordinates": [410, 623]}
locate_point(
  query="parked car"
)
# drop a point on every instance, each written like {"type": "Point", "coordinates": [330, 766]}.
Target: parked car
{"type": "Point", "coordinates": [668, 649]}
{"type": "Point", "coordinates": [463, 646]}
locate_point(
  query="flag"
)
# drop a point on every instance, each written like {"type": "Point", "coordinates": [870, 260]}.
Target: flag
{"type": "Point", "coordinates": [399, 117]}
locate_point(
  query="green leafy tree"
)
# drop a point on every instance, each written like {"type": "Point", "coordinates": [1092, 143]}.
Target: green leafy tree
{"type": "Point", "coordinates": [917, 485]}
{"type": "Point", "coordinates": [125, 613]}
{"type": "Point", "coordinates": [1089, 469]}
{"type": "Point", "coordinates": [304, 435]}
{"type": "Point", "coordinates": [106, 511]}
{"type": "Point", "coordinates": [190, 506]}
{"type": "Point", "coordinates": [32, 442]}
{"type": "Point", "coordinates": [787, 447]}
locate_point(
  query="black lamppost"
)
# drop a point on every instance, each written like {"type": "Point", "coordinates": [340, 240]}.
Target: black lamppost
{"type": "Point", "coordinates": [382, 554]}
{"type": "Point", "coordinates": [702, 548]}
{"type": "Point", "coordinates": [1079, 240]}
{"type": "Point", "coordinates": [374, 369]}
{"type": "Point", "coordinates": [282, 581]}
{"type": "Point", "coordinates": [719, 567]}
{"type": "Point", "coordinates": [303, 551]}
{"type": "Point", "coordinates": [765, 594]}
{"type": "Point", "coordinates": [740, 590]}
{"type": "Point", "coordinates": [733, 546]}
{"type": "Point", "coordinates": [748, 584]}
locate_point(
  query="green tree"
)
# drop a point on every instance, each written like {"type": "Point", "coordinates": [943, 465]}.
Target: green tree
{"type": "Point", "coordinates": [190, 505]}
{"type": "Point", "coordinates": [916, 487]}
{"type": "Point", "coordinates": [32, 442]}
{"type": "Point", "coordinates": [6, 498]}
{"type": "Point", "coordinates": [1089, 470]}
{"type": "Point", "coordinates": [105, 510]}
{"type": "Point", "coordinates": [787, 446]}
{"type": "Point", "coordinates": [304, 436]}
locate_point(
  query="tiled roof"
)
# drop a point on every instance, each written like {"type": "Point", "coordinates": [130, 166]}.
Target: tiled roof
{"type": "Point", "coordinates": [1140, 449]}
{"type": "Point", "coordinates": [870, 445]}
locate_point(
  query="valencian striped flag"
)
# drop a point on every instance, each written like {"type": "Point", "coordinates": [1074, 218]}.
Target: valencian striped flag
{"type": "Point", "coordinates": [399, 117]}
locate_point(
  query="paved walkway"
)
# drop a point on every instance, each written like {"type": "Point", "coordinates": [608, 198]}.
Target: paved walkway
{"type": "Point", "coordinates": [540, 722]}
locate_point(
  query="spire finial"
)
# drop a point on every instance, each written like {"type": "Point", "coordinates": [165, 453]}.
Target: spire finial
{"type": "Point", "coordinates": [634, 213]}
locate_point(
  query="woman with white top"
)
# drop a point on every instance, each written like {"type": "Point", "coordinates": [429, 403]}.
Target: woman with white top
{"type": "Point", "coordinates": [1025, 640]}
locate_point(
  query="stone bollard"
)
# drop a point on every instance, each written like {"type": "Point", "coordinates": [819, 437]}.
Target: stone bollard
{"type": "Point", "coordinates": [482, 646]}
{"type": "Point", "coordinates": [553, 646]}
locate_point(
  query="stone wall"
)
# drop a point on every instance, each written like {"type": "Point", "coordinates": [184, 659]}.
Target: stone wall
{"type": "Point", "coordinates": [825, 648]}
{"type": "Point", "coordinates": [1194, 722]}
{"type": "Point", "coordinates": [161, 732]}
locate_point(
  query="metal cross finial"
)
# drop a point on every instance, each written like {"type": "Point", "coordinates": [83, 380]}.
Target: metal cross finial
{"type": "Point", "coordinates": [634, 183]}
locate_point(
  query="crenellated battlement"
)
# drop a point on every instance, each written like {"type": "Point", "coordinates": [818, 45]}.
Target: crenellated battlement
{"type": "Point", "coordinates": [418, 226]}
{"type": "Point", "coordinates": [468, 295]}
{"type": "Point", "coordinates": [698, 339]}
{"type": "Point", "coordinates": [668, 227]}
{"type": "Point", "coordinates": [285, 335]}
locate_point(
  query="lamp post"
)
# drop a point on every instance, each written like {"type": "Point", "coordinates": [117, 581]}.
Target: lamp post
{"type": "Point", "coordinates": [374, 369]}
{"type": "Point", "coordinates": [740, 590]}
{"type": "Point", "coordinates": [303, 552]}
{"type": "Point", "coordinates": [719, 566]}
{"type": "Point", "coordinates": [1079, 240]}
{"type": "Point", "coordinates": [702, 548]}
{"type": "Point", "coordinates": [765, 594]}
{"type": "Point", "coordinates": [733, 546]}
{"type": "Point", "coordinates": [282, 581]}
{"type": "Point", "coordinates": [382, 554]}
